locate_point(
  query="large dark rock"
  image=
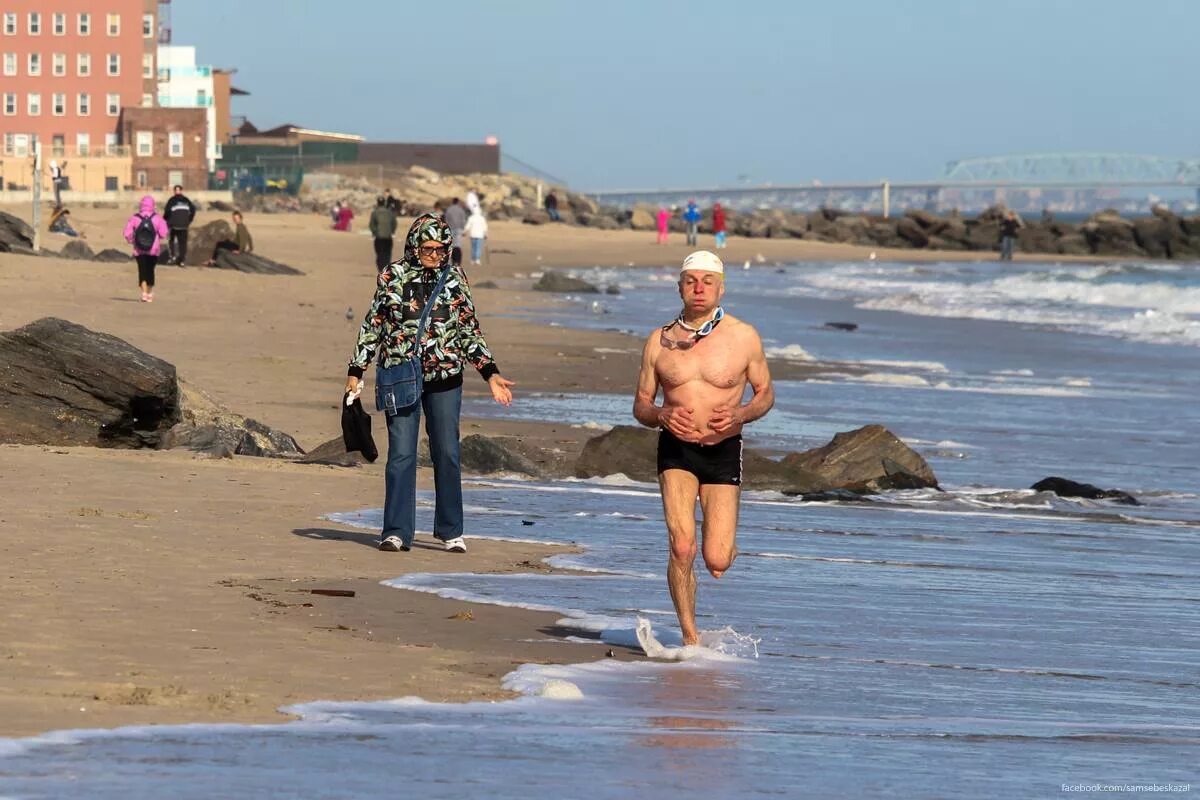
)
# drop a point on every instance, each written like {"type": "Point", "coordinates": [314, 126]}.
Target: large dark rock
{"type": "Point", "coordinates": [334, 454]}
{"type": "Point", "coordinates": [1068, 488]}
{"type": "Point", "coordinates": [552, 281]}
{"type": "Point", "coordinates": [252, 262]}
{"type": "Point", "coordinates": [15, 235]}
{"type": "Point", "coordinates": [1108, 234]}
{"type": "Point", "coordinates": [112, 256]}
{"type": "Point", "coordinates": [912, 232]}
{"type": "Point", "coordinates": [77, 250]}
{"type": "Point", "coordinates": [536, 217]}
{"type": "Point", "coordinates": [865, 460]}
{"type": "Point", "coordinates": [61, 383]}
{"type": "Point", "coordinates": [202, 240]}
{"type": "Point", "coordinates": [206, 427]}
{"type": "Point", "coordinates": [484, 455]}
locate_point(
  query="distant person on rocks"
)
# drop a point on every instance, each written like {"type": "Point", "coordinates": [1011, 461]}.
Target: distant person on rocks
{"type": "Point", "coordinates": [718, 225]}
{"type": "Point", "coordinates": [691, 216]}
{"type": "Point", "coordinates": [551, 204]}
{"type": "Point", "coordinates": [477, 230]}
{"type": "Point", "coordinates": [383, 228]}
{"type": "Point", "coordinates": [392, 202]}
{"type": "Point", "coordinates": [663, 221]}
{"type": "Point", "coordinates": [146, 231]}
{"type": "Point", "coordinates": [451, 340]}
{"type": "Point", "coordinates": [179, 212]}
{"type": "Point", "coordinates": [58, 180]}
{"type": "Point", "coordinates": [240, 243]}
{"type": "Point", "coordinates": [456, 218]}
{"type": "Point", "coordinates": [59, 223]}
{"type": "Point", "coordinates": [1010, 223]}
{"type": "Point", "coordinates": [345, 215]}
{"type": "Point", "coordinates": [702, 361]}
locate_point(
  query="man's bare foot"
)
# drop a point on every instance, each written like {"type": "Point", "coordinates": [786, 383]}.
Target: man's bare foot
{"type": "Point", "coordinates": [717, 573]}
{"type": "Point", "coordinates": [691, 639]}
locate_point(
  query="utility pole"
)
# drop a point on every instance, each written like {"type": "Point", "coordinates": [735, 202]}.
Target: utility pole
{"type": "Point", "coordinates": [37, 197]}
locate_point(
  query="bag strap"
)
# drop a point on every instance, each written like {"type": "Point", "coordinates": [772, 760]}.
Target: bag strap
{"type": "Point", "coordinates": [437, 289]}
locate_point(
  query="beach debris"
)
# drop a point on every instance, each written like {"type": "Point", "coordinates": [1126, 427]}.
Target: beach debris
{"type": "Point", "coordinates": [842, 326]}
{"type": "Point", "coordinates": [1068, 488]}
{"type": "Point", "coordinates": [463, 616]}
{"type": "Point", "coordinates": [526, 522]}
{"type": "Point", "coordinates": [333, 592]}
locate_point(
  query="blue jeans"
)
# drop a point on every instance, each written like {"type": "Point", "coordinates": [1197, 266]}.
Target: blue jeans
{"type": "Point", "coordinates": [442, 411]}
{"type": "Point", "coordinates": [476, 248]}
{"type": "Point", "coordinates": [692, 239]}
{"type": "Point", "coordinates": [1006, 247]}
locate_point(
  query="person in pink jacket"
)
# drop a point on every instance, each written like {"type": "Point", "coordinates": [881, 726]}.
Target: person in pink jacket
{"type": "Point", "coordinates": [663, 220]}
{"type": "Point", "coordinates": [146, 230]}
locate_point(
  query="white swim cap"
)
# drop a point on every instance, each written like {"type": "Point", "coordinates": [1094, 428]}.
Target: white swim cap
{"type": "Point", "coordinates": [703, 260]}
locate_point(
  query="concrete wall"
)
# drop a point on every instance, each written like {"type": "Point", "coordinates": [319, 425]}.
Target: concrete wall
{"type": "Point", "coordinates": [88, 174]}
{"type": "Point", "coordinates": [454, 159]}
{"type": "Point", "coordinates": [131, 199]}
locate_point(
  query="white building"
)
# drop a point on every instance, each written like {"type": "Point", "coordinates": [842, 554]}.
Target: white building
{"type": "Point", "coordinates": [183, 84]}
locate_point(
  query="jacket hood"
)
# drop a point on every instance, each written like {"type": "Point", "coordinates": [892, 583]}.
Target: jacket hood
{"type": "Point", "coordinates": [426, 228]}
{"type": "Point", "coordinates": [147, 205]}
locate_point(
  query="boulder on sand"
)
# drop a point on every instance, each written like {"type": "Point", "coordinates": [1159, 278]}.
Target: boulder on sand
{"type": "Point", "coordinates": [77, 250]}
{"type": "Point", "coordinates": [113, 256]}
{"type": "Point", "coordinates": [552, 281]}
{"type": "Point", "coordinates": [203, 240]}
{"type": "Point", "coordinates": [15, 235]}
{"type": "Point", "coordinates": [206, 427]}
{"type": "Point", "coordinates": [252, 262]}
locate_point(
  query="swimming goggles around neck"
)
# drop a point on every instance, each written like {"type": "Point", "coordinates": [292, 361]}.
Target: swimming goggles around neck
{"type": "Point", "coordinates": [697, 333]}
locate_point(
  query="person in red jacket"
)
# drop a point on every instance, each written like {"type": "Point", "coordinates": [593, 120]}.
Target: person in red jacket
{"type": "Point", "coordinates": [719, 225]}
{"type": "Point", "coordinates": [345, 214]}
{"type": "Point", "coordinates": [146, 231]}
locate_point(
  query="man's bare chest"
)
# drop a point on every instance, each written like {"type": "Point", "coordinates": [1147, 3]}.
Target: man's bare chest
{"type": "Point", "coordinates": [716, 362]}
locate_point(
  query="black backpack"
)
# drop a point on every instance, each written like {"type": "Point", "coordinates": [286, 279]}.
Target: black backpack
{"type": "Point", "coordinates": [146, 234]}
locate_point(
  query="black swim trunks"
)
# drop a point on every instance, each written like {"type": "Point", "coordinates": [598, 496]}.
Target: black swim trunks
{"type": "Point", "coordinates": [710, 463]}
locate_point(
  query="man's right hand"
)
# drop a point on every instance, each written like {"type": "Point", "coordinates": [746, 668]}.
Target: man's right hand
{"type": "Point", "coordinates": [680, 423]}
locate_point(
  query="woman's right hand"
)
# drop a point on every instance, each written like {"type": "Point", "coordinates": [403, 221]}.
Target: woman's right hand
{"type": "Point", "coordinates": [352, 384]}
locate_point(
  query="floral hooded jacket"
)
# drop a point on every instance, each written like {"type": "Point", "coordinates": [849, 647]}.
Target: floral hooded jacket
{"type": "Point", "coordinates": [452, 335]}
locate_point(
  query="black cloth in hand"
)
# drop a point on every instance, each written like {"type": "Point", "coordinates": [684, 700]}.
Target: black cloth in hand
{"type": "Point", "coordinates": [356, 429]}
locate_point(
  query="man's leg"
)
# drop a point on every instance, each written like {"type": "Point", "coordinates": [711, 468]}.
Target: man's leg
{"type": "Point", "coordinates": [182, 253]}
{"type": "Point", "coordinates": [719, 503]}
{"type": "Point", "coordinates": [679, 489]}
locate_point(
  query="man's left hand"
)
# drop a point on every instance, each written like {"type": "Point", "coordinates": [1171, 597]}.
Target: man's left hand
{"type": "Point", "coordinates": [724, 418]}
{"type": "Point", "coordinates": [501, 389]}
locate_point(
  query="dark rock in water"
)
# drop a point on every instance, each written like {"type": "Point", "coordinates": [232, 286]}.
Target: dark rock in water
{"type": "Point", "coordinates": [77, 250]}
{"type": "Point", "coordinates": [206, 427]}
{"type": "Point", "coordinates": [483, 455]}
{"type": "Point", "coordinates": [865, 460]}
{"type": "Point", "coordinates": [486, 285]}
{"type": "Point", "coordinates": [254, 263]}
{"type": "Point", "coordinates": [202, 240]}
{"type": "Point", "coordinates": [552, 281]}
{"type": "Point", "coordinates": [1068, 488]}
{"type": "Point", "coordinates": [612, 288]}
{"type": "Point", "coordinates": [15, 235]}
{"type": "Point", "coordinates": [333, 453]}
{"type": "Point", "coordinates": [831, 496]}
{"type": "Point", "coordinates": [112, 256]}
{"type": "Point", "coordinates": [61, 383]}
{"type": "Point", "coordinates": [842, 326]}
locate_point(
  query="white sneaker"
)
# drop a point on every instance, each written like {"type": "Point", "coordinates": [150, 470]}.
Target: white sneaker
{"type": "Point", "coordinates": [456, 545]}
{"type": "Point", "coordinates": [393, 544]}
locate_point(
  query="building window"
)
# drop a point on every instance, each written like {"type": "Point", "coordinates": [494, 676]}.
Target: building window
{"type": "Point", "coordinates": [10, 104]}
{"type": "Point", "coordinates": [145, 143]}
{"type": "Point", "coordinates": [85, 24]}
{"type": "Point", "coordinates": [175, 144]}
{"type": "Point", "coordinates": [58, 104]}
{"type": "Point", "coordinates": [10, 24]}
{"type": "Point", "coordinates": [83, 143]}
{"type": "Point", "coordinates": [114, 24]}
{"type": "Point", "coordinates": [114, 105]}
{"type": "Point", "coordinates": [147, 101]}
{"type": "Point", "coordinates": [147, 26]}
{"type": "Point", "coordinates": [35, 63]}
{"type": "Point", "coordinates": [33, 105]}
{"type": "Point", "coordinates": [83, 64]}
{"type": "Point", "coordinates": [84, 104]}
{"type": "Point", "coordinates": [201, 98]}
{"type": "Point", "coordinates": [35, 23]}
{"type": "Point", "coordinates": [114, 63]}
{"type": "Point", "coordinates": [60, 24]}
{"type": "Point", "coordinates": [110, 143]}
{"type": "Point", "coordinates": [10, 63]}
{"type": "Point", "coordinates": [58, 145]}
{"type": "Point", "coordinates": [147, 65]}
{"type": "Point", "coordinates": [141, 179]}
{"type": "Point", "coordinates": [59, 64]}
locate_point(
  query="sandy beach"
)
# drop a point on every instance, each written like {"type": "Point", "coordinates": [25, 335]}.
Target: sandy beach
{"type": "Point", "coordinates": [156, 587]}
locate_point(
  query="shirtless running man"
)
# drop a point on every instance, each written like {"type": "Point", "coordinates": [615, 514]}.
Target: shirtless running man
{"type": "Point", "coordinates": [703, 361]}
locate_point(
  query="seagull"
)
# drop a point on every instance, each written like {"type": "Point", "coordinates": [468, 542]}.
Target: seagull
{"type": "Point", "coordinates": [349, 314]}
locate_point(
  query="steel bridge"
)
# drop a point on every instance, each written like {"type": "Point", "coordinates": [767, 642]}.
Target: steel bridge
{"type": "Point", "coordinates": [1063, 181]}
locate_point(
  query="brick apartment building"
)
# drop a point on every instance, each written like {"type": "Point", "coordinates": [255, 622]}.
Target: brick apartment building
{"type": "Point", "coordinates": [167, 146]}
{"type": "Point", "coordinates": [67, 69]}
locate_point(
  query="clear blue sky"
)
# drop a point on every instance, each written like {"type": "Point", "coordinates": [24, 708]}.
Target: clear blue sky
{"type": "Point", "coordinates": [657, 93]}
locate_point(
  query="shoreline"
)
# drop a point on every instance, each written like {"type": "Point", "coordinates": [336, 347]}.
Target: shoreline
{"type": "Point", "coordinates": [150, 587]}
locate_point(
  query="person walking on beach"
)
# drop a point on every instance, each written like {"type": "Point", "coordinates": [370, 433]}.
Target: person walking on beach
{"type": "Point", "coordinates": [702, 361]}
{"type": "Point", "coordinates": [179, 212]}
{"type": "Point", "coordinates": [718, 225]}
{"type": "Point", "coordinates": [476, 230]}
{"type": "Point", "coordinates": [383, 228]}
{"type": "Point", "coordinates": [451, 339]}
{"type": "Point", "coordinates": [456, 218]}
{"type": "Point", "coordinates": [146, 230]}
{"type": "Point", "coordinates": [691, 216]}
{"type": "Point", "coordinates": [1010, 223]}
{"type": "Point", "coordinates": [663, 222]}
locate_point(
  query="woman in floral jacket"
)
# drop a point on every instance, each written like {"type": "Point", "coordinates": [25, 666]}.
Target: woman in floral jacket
{"type": "Point", "coordinates": [451, 340]}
